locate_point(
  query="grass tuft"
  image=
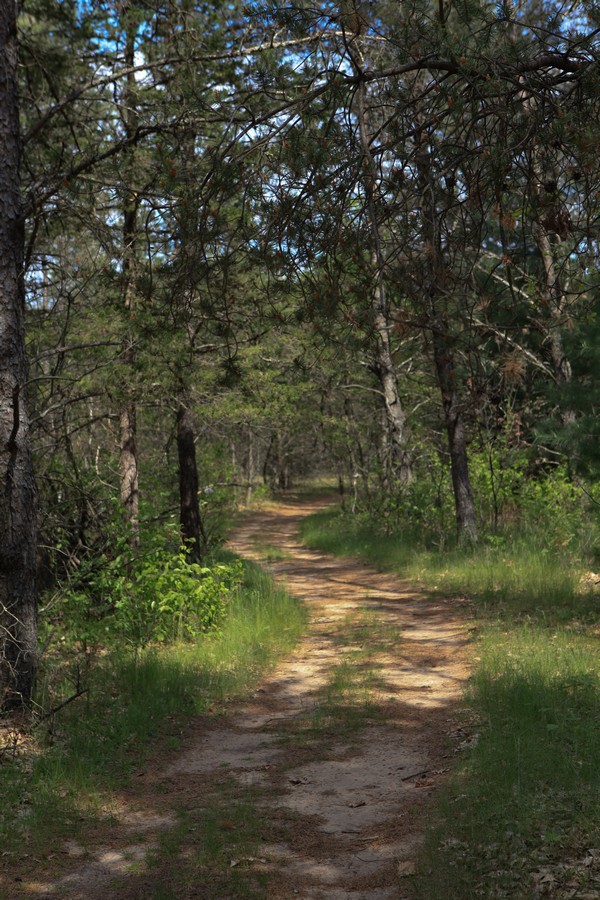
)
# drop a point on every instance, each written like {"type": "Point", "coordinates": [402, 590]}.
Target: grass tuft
{"type": "Point", "coordinates": [524, 803]}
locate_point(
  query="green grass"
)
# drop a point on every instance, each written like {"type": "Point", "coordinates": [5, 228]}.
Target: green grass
{"type": "Point", "coordinates": [269, 552]}
{"type": "Point", "coordinates": [217, 844]}
{"type": "Point", "coordinates": [135, 704]}
{"type": "Point", "coordinates": [352, 696]}
{"type": "Point", "coordinates": [524, 802]}
{"type": "Point", "coordinates": [518, 574]}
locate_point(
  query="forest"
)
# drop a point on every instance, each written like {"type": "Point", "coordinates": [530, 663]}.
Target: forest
{"type": "Point", "coordinates": [250, 246]}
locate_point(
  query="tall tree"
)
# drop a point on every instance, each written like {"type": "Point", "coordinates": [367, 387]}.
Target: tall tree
{"type": "Point", "coordinates": [128, 456]}
{"type": "Point", "coordinates": [18, 616]}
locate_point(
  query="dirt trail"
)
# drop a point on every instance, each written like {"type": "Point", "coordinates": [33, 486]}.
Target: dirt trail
{"type": "Point", "coordinates": [345, 779]}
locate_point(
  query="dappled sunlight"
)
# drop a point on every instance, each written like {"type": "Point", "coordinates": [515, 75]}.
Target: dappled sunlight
{"type": "Point", "coordinates": [342, 745]}
{"type": "Point", "coordinates": [380, 657]}
{"type": "Point", "coordinates": [339, 586]}
{"type": "Point", "coordinates": [98, 872]}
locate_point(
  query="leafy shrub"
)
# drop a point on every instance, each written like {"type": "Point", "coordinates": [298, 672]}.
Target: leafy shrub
{"type": "Point", "coordinates": [153, 594]}
{"type": "Point", "coordinates": [421, 511]}
{"type": "Point", "coordinates": [498, 475]}
{"type": "Point", "coordinates": [170, 598]}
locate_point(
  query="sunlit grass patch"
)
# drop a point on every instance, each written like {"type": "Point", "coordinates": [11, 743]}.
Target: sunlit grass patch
{"type": "Point", "coordinates": [518, 573]}
{"type": "Point", "coordinates": [269, 552]}
{"type": "Point", "coordinates": [364, 631]}
{"type": "Point", "coordinates": [331, 532]}
{"type": "Point", "coordinates": [524, 575]}
{"type": "Point", "coordinates": [351, 698]}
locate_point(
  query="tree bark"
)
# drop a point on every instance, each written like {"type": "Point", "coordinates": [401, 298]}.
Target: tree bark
{"type": "Point", "coordinates": [466, 519]}
{"type": "Point", "coordinates": [552, 294]}
{"type": "Point", "coordinates": [550, 218]}
{"type": "Point", "coordinates": [192, 530]}
{"type": "Point", "coordinates": [249, 467]}
{"type": "Point", "coordinates": [283, 472]}
{"type": "Point", "coordinates": [128, 471]}
{"type": "Point", "coordinates": [389, 384]}
{"type": "Point", "coordinates": [384, 362]}
{"type": "Point", "coordinates": [266, 467]}
{"type": "Point", "coordinates": [18, 594]}
{"type": "Point", "coordinates": [128, 459]}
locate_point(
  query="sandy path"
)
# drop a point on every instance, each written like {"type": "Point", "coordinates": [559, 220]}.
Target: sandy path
{"type": "Point", "coordinates": [347, 798]}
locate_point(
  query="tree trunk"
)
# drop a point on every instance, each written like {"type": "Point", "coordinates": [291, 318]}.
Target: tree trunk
{"type": "Point", "coordinates": [464, 503]}
{"type": "Point", "coordinates": [389, 384]}
{"type": "Point", "coordinates": [249, 467]}
{"type": "Point", "coordinates": [128, 461]}
{"type": "Point", "coordinates": [283, 473]}
{"type": "Point", "coordinates": [189, 509]}
{"type": "Point", "coordinates": [18, 595]}
{"type": "Point", "coordinates": [267, 460]}
{"type": "Point", "coordinates": [555, 301]}
{"type": "Point", "coordinates": [128, 470]}
{"type": "Point", "coordinates": [550, 218]}
{"type": "Point", "coordinates": [384, 363]}
{"type": "Point", "coordinates": [466, 519]}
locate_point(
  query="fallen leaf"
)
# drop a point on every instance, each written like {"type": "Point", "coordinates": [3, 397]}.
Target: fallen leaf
{"type": "Point", "coordinates": [406, 868]}
{"type": "Point", "coordinates": [246, 859]}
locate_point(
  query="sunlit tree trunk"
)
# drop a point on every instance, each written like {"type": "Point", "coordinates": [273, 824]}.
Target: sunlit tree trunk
{"type": "Point", "coordinates": [128, 470]}
{"type": "Point", "coordinates": [384, 363]}
{"type": "Point", "coordinates": [249, 466]}
{"type": "Point", "coordinates": [128, 457]}
{"type": "Point", "coordinates": [552, 295]}
{"type": "Point", "coordinates": [283, 472]}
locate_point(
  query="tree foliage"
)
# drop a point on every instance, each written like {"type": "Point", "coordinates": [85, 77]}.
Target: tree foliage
{"type": "Point", "coordinates": [266, 241]}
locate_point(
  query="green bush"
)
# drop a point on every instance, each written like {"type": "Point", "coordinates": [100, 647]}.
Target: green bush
{"type": "Point", "coordinates": [421, 511]}
{"type": "Point", "coordinates": [138, 597]}
{"type": "Point", "coordinates": [170, 598]}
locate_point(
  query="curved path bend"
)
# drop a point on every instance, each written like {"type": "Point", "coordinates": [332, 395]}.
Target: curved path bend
{"type": "Point", "coordinates": [343, 746]}
{"type": "Point", "coordinates": [365, 800]}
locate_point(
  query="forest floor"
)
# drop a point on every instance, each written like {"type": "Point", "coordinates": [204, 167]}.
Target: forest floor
{"type": "Point", "coordinates": [336, 758]}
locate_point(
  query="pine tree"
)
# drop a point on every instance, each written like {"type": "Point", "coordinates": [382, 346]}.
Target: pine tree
{"type": "Point", "coordinates": [18, 596]}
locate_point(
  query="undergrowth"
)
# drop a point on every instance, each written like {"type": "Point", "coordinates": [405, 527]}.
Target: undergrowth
{"type": "Point", "coordinates": [133, 704]}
